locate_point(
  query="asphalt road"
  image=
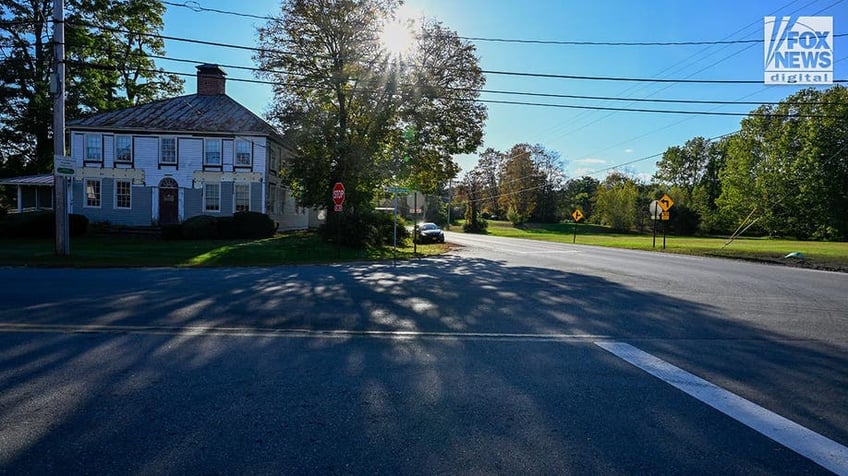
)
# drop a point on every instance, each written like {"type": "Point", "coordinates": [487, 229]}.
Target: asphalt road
{"type": "Point", "coordinates": [493, 359]}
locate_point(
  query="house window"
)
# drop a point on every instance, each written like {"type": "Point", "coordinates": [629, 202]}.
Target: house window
{"type": "Point", "coordinates": [92, 193]}
{"type": "Point", "coordinates": [242, 193]}
{"type": "Point", "coordinates": [243, 153]}
{"type": "Point", "coordinates": [212, 152]}
{"type": "Point", "coordinates": [212, 197]}
{"type": "Point", "coordinates": [123, 194]}
{"type": "Point", "coordinates": [168, 150]}
{"type": "Point", "coordinates": [123, 148]}
{"type": "Point", "coordinates": [93, 148]}
{"type": "Point", "coordinates": [269, 204]}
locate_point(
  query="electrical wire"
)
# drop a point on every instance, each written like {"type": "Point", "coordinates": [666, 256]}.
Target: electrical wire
{"type": "Point", "coordinates": [195, 6]}
{"type": "Point", "coordinates": [492, 72]}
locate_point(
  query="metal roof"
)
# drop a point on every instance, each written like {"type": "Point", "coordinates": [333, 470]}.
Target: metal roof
{"type": "Point", "coordinates": [190, 113]}
{"type": "Point", "coordinates": [43, 180]}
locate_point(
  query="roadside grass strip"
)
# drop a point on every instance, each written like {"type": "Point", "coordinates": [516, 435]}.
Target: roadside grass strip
{"type": "Point", "coordinates": [819, 449]}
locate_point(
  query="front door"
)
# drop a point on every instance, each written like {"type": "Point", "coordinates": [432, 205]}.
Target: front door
{"type": "Point", "coordinates": [169, 202]}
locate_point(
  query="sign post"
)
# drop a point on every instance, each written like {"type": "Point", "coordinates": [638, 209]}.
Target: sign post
{"type": "Point", "coordinates": [338, 201]}
{"type": "Point", "coordinates": [338, 196]}
{"type": "Point", "coordinates": [655, 209]}
{"type": "Point", "coordinates": [577, 215]}
{"type": "Point", "coordinates": [396, 191]}
{"type": "Point", "coordinates": [664, 204]}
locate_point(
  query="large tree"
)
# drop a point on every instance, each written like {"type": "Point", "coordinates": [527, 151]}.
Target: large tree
{"type": "Point", "coordinates": [25, 104]}
{"type": "Point", "coordinates": [616, 202]}
{"type": "Point", "coordinates": [686, 166]}
{"type": "Point", "coordinates": [550, 167]}
{"type": "Point", "coordinates": [531, 178]}
{"type": "Point", "coordinates": [579, 194]}
{"type": "Point", "coordinates": [110, 47]}
{"type": "Point", "coordinates": [108, 43]}
{"type": "Point", "coordinates": [521, 180]}
{"type": "Point", "coordinates": [692, 172]}
{"type": "Point", "coordinates": [788, 167]}
{"type": "Point", "coordinates": [359, 115]}
{"type": "Point", "coordinates": [489, 168]}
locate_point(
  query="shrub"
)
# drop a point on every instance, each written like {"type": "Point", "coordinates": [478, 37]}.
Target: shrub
{"type": "Point", "coordinates": [249, 225]}
{"type": "Point", "coordinates": [516, 218]}
{"type": "Point", "coordinates": [683, 220]}
{"type": "Point", "coordinates": [77, 224]}
{"type": "Point", "coordinates": [363, 230]}
{"type": "Point", "coordinates": [479, 226]}
{"type": "Point", "coordinates": [227, 229]}
{"type": "Point", "coordinates": [253, 225]}
{"type": "Point", "coordinates": [172, 231]}
{"type": "Point", "coordinates": [200, 227]}
{"type": "Point", "coordinates": [37, 225]}
{"type": "Point", "coordinates": [40, 225]}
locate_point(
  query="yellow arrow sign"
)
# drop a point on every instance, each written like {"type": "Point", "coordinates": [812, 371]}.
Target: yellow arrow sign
{"type": "Point", "coordinates": [666, 202]}
{"type": "Point", "coordinates": [577, 215]}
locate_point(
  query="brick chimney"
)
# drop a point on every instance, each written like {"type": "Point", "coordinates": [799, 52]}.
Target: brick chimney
{"type": "Point", "coordinates": [211, 80]}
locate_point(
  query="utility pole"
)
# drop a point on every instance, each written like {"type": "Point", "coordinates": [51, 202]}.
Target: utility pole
{"type": "Point", "coordinates": [60, 200]}
{"type": "Point", "coordinates": [450, 200]}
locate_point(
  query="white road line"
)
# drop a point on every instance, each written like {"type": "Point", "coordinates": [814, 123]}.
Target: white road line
{"type": "Point", "coordinates": [547, 252]}
{"type": "Point", "coordinates": [821, 450]}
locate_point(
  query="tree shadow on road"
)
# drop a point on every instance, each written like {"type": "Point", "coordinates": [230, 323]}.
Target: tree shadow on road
{"type": "Point", "coordinates": [439, 365]}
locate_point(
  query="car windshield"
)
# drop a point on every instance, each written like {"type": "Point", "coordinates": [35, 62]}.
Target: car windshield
{"type": "Point", "coordinates": [428, 226]}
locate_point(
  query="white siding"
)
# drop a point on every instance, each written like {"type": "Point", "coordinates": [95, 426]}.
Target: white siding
{"type": "Point", "coordinates": [77, 148]}
{"type": "Point", "coordinates": [260, 155]}
{"type": "Point", "coordinates": [189, 163]}
{"type": "Point", "coordinates": [227, 155]}
{"type": "Point", "coordinates": [146, 152]}
{"type": "Point", "coordinates": [108, 151]}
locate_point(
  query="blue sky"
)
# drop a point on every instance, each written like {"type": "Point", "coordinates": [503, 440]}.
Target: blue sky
{"type": "Point", "coordinates": [587, 141]}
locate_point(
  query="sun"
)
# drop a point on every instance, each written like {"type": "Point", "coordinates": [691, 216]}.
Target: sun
{"type": "Point", "coordinates": [398, 36]}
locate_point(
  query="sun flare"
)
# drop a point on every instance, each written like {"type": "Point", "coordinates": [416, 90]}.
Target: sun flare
{"type": "Point", "coordinates": [398, 36]}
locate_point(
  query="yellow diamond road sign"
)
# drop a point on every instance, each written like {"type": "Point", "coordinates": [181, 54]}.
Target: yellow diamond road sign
{"type": "Point", "coordinates": [666, 202]}
{"type": "Point", "coordinates": [577, 215]}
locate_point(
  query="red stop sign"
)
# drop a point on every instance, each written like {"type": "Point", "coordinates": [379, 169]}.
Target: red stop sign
{"type": "Point", "coordinates": [338, 193]}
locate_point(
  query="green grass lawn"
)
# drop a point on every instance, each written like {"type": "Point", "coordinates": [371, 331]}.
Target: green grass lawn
{"type": "Point", "coordinates": [823, 255]}
{"type": "Point", "coordinates": [306, 247]}
{"type": "Point", "coordinates": [121, 251]}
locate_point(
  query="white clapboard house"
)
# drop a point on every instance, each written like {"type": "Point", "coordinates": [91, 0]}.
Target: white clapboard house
{"type": "Point", "coordinates": [169, 160]}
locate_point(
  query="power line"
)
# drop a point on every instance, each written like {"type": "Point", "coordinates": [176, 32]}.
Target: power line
{"type": "Point", "coordinates": [515, 93]}
{"type": "Point", "coordinates": [700, 55]}
{"type": "Point", "coordinates": [492, 101]}
{"type": "Point", "coordinates": [655, 111]}
{"type": "Point", "coordinates": [611, 98]}
{"type": "Point", "coordinates": [195, 6]}
{"type": "Point", "coordinates": [641, 80]}
{"type": "Point", "coordinates": [494, 72]}
{"type": "Point", "coordinates": [619, 43]}
{"type": "Point", "coordinates": [191, 5]}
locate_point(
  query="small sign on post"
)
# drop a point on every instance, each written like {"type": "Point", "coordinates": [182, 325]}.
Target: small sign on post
{"type": "Point", "coordinates": [63, 166]}
{"type": "Point", "coordinates": [577, 215]}
{"type": "Point", "coordinates": [338, 196]}
{"type": "Point", "coordinates": [659, 211]}
{"type": "Point", "coordinates": [666, 202]}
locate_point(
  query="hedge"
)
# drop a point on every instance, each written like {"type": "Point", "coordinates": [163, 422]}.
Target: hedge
{"type": "Point", "coordinates": [250, 225]}
{"type": "Point", "coordinates": [40, 225]}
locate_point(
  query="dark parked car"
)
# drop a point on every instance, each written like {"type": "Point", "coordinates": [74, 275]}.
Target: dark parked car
{"type": "Point", "coordinates": [430, 233]}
